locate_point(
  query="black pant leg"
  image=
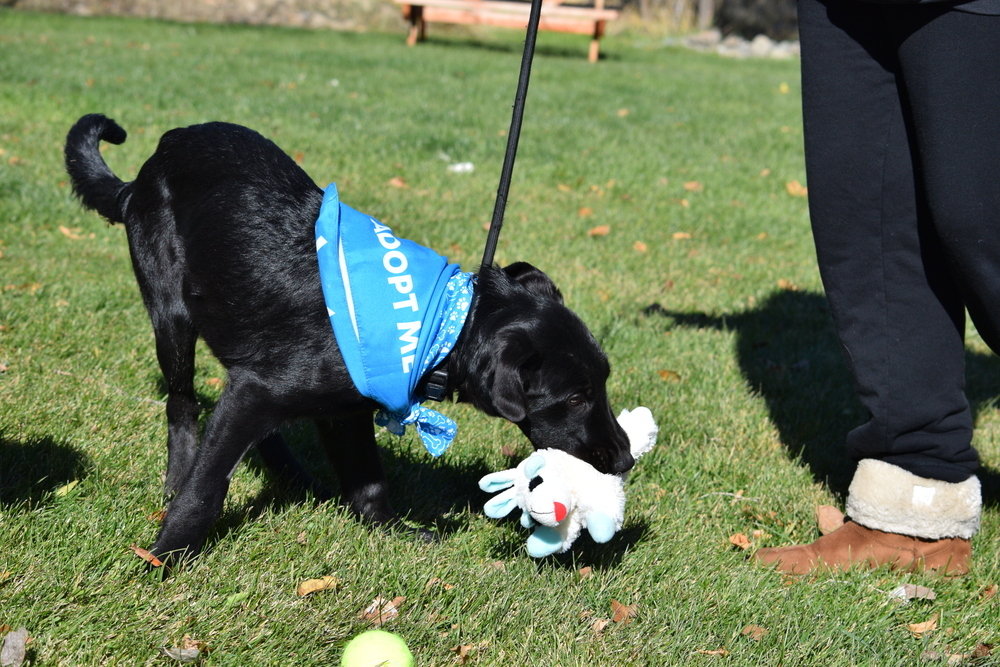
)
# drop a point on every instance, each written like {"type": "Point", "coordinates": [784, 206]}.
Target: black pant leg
{"type": "Point", "coordinates": [899, 315]}
{"type": "Point", "coordinates": [950, 65]}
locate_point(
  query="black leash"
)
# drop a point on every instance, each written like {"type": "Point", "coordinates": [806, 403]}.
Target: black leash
{"type": "Point", "coordinates": [513, 135]}
{"type": "Point", "coordinates": [436, 384]}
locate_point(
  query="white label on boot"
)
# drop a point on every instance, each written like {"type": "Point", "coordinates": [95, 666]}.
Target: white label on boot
{"type": "Point", "coordinates": [923, 495]}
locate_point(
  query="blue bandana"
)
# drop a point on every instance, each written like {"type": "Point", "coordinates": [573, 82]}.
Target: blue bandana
{"type": "Point", "coordinates": [396, 308]}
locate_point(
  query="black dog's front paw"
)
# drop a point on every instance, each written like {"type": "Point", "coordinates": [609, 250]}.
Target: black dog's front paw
{"type": "Point", "coordinates": [170, 556]}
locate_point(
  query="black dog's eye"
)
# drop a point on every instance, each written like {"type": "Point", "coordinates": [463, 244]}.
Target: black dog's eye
{"type": "Point", "coordinates": [575, 400]}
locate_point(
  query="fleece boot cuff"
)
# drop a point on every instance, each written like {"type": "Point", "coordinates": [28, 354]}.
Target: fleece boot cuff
{"type": "Point", "coordinates": [887, 498]}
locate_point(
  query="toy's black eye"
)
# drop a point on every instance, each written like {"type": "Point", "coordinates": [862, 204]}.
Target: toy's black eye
{"type": "Point", "coordinates": [534, 483]}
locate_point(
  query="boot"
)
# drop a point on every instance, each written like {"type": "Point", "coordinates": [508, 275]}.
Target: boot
{"type": "Point", "coordinates": [895, 518]}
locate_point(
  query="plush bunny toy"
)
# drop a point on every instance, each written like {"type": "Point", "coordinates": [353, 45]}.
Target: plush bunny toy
{"type": "Point", "coordinates": [559, 494]}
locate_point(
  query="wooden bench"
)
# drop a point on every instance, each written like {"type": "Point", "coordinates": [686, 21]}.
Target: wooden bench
{"type": "Point", "coordinates": [555, 17]}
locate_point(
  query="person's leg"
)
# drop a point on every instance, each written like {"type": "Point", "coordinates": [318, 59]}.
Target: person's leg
{"type": "Point", "coordinates": [899, 314]}
{"type": "Point", "coordinates": [951, 69]}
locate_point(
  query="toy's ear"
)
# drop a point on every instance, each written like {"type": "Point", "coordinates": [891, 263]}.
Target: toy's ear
{"type": "Point", "coordinates": [641, 429]}
{"type": "Point", "coordinates": [600, 526]}
{"type": "Point", "coordinates": [500, 505]}
{"type": "Point", "coordinates": [498, 481]}
{"type": "Point", "coordinates": [544, 542]}
{"type": "Point", "coordinates": [533, 464]}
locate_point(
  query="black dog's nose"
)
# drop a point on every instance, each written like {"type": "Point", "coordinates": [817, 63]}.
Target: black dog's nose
{"type": "Point", "coordinates": [622, 463]}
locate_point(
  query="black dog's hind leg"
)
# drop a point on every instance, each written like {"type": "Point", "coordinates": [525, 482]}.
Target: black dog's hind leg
{"type": "Point", "coordinates": [350, 445]}
{"type": "Point", "coordinates": [244, 415]}
{"type": "Point", "coordinates": [175, 344]}
{"type": "Point", "coordinates": [159, 273]}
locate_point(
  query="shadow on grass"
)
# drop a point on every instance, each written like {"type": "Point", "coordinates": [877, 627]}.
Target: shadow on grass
{"type": "Point", "coordinates": [584, 552]}
{"type": "Point", "coordinates": [790, 356]}
{"type": "Point", "coordinates": [31, 470]}
{"type": "Point", "coordinates": [430, 494]}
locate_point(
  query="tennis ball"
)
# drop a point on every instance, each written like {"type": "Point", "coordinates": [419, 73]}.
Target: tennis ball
{"type": "Point", "coordinates": [376, 648]}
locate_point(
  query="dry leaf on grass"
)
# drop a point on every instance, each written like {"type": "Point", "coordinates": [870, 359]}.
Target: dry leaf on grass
{"type": "Point", "coordinates": [585, 572]}
{"type": "Point", "coordinates": [754, 632]}
{"type": "Point", "coordinates": [600, 230]}
{"type": "Point", "coordinates": [918, 630]}
{"type": "Point", "coordinates": [989, 592]}
{"type": "Point", "coordinates": [310, 586]}
{"type": "Point", "coordinates": [787, 285]}
{"type": "Point", "coordinates": [146, 555]}
{"type": "Point", "coordinates": [564, 188]}
{"type": "Point", "coordinates": [982, 651]}
{"type": "Point", "coordinates": [693, 186]}
{"type": "Point", "coordinates": [13, 650]}
{"type": "Point", "coordinates": [190, 650]}
{"type": "Point", "coordinates": [680, 236]}
{"type": "Point", "coordinates": [622, 113]}
{"type": "Point", "coordinates": [182, 655]}
{"type": "Point", "coordinates": [740, 540]}
{"type": "Point", "coordinates": [158, 516]}
{"type": "Point", "coordinates": [639, 246]}
{"type": "Point", "coordinates": [398, 182]}
{"type": "Point", "coordinates": [464, 652]}
{"type": "Point", "coordinates": [669, 376]}
{"type": "Point", "coordinates": [75, 233]}
{"type": "Point", "coordinates": [381, 610]}
{"type": "Point", "coordinates": [599, 625]}
{"type": "Point", "coordinates": [623, 613]}
{"type": "Point", "coordinates": [215, 383]}
{"type": "Point", "coordinates": [436, 581]}
{"type": "Point", "coordinates": [718, 651]}
{"type": "Point", "coordinates": [908, 592]}
{"type": "Point", "coordinates": [796, 189]}
{"type": "Point", "coordinates": [585, 211]}
{"type": "Point", "coordinates": [828, 518]}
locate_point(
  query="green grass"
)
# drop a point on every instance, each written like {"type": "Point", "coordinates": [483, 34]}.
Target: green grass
{"type": "Point", "coordinates": [756, 399]}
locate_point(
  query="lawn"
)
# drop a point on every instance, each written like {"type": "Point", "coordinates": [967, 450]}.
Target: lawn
{"type": "Point", "coordinates": [659, 188]}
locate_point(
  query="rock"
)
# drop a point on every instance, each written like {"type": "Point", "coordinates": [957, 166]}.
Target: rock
{"type": "Point", "coordinates": [761, 46]}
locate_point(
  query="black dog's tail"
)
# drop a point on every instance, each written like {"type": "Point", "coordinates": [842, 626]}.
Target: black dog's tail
{"type": "Point", "coordinates": [93, 181]}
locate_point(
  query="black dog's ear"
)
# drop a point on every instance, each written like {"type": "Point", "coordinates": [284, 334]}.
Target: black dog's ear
{"type": "Point", "coordinates": [509, 395]}
{"type": "Point", "coordinates": [534, 280]}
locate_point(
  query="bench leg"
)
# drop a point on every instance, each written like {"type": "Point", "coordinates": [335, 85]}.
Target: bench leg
{"type": "Point", "coordinates": [418, 28]}
{"type": "Point", "coordinates": [595, 44]}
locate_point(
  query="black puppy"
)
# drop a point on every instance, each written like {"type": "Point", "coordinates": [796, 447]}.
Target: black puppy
{"type": "Point", "coordinates": [220, 225]}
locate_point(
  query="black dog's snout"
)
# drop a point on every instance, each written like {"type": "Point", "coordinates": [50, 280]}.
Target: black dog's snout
{"type": "Point", "coordinates": [623, 462]}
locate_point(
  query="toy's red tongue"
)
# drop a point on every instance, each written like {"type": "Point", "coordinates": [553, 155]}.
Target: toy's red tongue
{"type": "Point", "coordinates": [560, 511]}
